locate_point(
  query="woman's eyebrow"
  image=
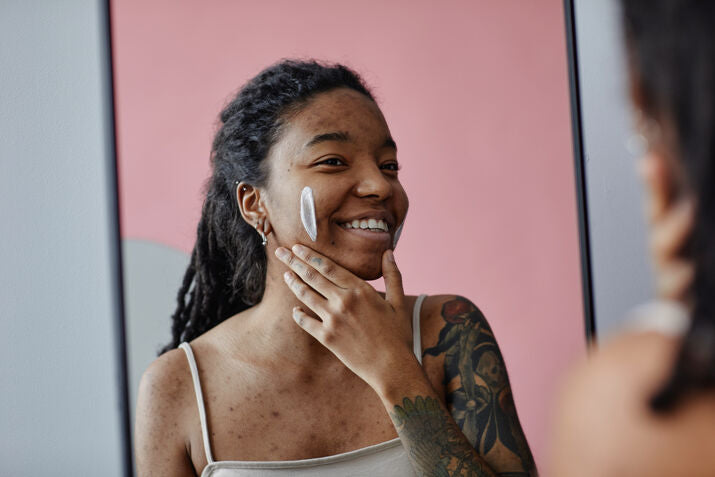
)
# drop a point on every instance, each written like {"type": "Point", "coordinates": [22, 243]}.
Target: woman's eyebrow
{"type": "Point", "coordinates": [343, 137]}
{"type": "Point", "coordinates": [331, 136]}
{"type": "Point", "coordinates": [389, 142]}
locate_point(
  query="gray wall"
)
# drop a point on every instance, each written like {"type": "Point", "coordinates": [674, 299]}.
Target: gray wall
{"type": "Point", "coordinates": [59, 405]}
{"type": "Point", "coordinates": [620, 267]}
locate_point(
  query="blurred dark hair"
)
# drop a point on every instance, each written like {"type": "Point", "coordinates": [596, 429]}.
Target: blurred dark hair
{"type": "Point", "coordinates": [671, 49]}
{"type": "Point", "coordinates": [227, 271]}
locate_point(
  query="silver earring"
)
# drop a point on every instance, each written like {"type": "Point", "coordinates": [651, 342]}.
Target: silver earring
{"type": "Point", "coordinates": [264, 239]}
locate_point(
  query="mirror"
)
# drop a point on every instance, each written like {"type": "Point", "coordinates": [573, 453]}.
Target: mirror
{"type": "Point", "coordinates": [476, 95]}
{"type": "Point", "coordinates": [618, 256]}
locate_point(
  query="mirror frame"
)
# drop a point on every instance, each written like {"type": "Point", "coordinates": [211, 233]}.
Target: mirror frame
{"type": "Point", "coordinates": [580, 173]}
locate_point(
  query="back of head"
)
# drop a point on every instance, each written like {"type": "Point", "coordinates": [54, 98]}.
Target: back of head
{"type": "Point", "coordinates": [671, 52]}
{"type": "Point", "coordinates": [228, 263]}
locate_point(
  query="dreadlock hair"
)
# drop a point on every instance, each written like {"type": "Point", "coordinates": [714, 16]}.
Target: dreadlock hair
{"type": "Point", "coordinates": [671, 49]}
{"type": "Point", "coordinates": [227, 271]}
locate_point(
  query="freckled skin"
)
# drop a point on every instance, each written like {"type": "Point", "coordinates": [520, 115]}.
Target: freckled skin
{"type": "Point", "coordinates": [272, 392]}
{"type": "Point", "coordinates": [337, 193]}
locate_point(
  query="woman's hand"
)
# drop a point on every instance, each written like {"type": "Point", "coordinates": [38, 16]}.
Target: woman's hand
{"type": "Point", "coordinates": [370, 334]}
{"type": "Point", "coordinates": [671, 223]}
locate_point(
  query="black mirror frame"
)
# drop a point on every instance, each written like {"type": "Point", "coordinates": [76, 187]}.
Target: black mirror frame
{"type": "Point", "coordinates": [580, 174]}
{"type": "Point", "coordinates": [113, 188]}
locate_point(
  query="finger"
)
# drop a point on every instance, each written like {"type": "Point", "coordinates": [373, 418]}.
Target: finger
{"type": "Point", "coordinates": [675, 281]}
{"type": "Point", "coordinates": [669, 236]}
{"type": "Point", "coordinates": [312, 326]}
{"type": "Point", "coordinates": [327, 268]}
{"type": "Point", "coordinates": [306, 272]}
{"type": "Point", "coordinates": [305, 294]}
{"type": "Point", "coordinates": [656, 180]}
{"type": "Point", "coordinates": [394, 293]}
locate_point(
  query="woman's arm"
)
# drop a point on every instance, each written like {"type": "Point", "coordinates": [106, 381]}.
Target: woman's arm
{"type": "Point", "coordinates": [482, 425]}
{"type": "Point", "coordinates": [159, 446]}
{"type": "Point", "coordinates": [355, 321]}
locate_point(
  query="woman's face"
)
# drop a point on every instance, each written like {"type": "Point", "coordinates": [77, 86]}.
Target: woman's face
{"type": "Point", "coordinates": [339, 145]}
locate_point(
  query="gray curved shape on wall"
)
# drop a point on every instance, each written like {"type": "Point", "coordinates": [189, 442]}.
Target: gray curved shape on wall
{"type": "Point", "coordinates": [152, 275]}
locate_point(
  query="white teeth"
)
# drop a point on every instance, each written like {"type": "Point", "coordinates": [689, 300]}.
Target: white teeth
{"type": "Point", "coordinates": [367, 225]}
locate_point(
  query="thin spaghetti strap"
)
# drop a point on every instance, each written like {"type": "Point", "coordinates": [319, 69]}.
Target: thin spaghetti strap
{"type": "Point", "coordinates": [416, 335]}
{"type": "Point", "coordinates": [199, 399]}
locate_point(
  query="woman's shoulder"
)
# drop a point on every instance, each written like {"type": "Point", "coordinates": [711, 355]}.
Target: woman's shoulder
{"type": "Point", "coordinates": [624, 366]}
{"type": "Point", "coordinates": [165, 390]}
{"type": "Point", "coordinates": [603, 424]}
{"type": "Point", "coordinates": [163, 413]}
{"type": "Point", "coordinates": [440, 314]}
{"type": "Point", "coordinates": [440, 310]}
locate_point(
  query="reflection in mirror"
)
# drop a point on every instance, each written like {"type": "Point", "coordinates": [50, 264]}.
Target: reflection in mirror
{"type": "Point", "coordinates": [475, 98]}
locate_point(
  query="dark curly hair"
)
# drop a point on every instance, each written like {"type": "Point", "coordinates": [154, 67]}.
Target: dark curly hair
{"type": "Point", "coordinates": [227, 271]}
{"type": "Point", "coordinates": [671, 50]}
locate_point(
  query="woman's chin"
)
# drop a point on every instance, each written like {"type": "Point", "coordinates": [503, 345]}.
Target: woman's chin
{"type": "Point", "coordinates": [366, 271]}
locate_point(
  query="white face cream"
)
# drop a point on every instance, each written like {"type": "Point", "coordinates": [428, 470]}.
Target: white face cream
{"type": "Point", "coordinates": [307, 212]}
{"type": "Point", "coordinates": [396, 237]}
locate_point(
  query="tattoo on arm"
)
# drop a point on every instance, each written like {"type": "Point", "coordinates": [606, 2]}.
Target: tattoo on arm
{"type": "Point", "coordinates": [435, 445]}
{"type": "Point", "coordinates": [478, 393]}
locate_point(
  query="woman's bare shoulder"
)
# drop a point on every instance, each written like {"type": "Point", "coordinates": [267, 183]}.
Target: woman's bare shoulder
{"type": "Point", "coordinates": [165, 388]}
{"type": "Point", "coordinates": [604, 426]}
{"type": "Point", "coordinates": [163, 404]}
{"type": "Point", "coordinates": [167, 377]}
{"type": "Point", "coordinates": [439, 310]}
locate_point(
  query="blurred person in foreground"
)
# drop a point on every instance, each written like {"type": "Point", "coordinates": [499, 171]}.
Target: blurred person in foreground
{"type": "Point", "coordinates": [644, 403]}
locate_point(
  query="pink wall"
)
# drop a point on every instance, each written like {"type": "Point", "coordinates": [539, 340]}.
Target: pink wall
{"type": "Point", "coordinates": [476, 95]}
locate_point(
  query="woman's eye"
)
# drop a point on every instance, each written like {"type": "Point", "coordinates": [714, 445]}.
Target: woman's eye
{"type": "Point", "coordinates": [332, 161]}
{"type": "Point", "coordinates": [391, 166]}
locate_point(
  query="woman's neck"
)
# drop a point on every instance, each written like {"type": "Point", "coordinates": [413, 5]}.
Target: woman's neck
{"type": "Point", "coordinates": [273, 329]}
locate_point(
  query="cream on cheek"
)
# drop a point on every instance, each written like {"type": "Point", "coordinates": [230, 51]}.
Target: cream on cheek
{"type": "Point", "coordinates": [307, 212]}
{"type": "Point", "coordinates": [398, 232]}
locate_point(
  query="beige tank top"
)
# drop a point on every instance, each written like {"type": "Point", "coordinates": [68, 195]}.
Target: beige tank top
{"type": "Point", "coordinates": [384, 459]}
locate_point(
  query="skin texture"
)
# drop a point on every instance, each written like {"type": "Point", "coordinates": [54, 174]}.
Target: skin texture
{"type": "Point", "coordinates": [478, 432]}
{"type": "Point", "coordinates": [297, 376]}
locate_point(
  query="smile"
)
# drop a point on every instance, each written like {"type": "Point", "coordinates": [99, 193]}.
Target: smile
{"type": "Point", "coordinates": [371, 225]}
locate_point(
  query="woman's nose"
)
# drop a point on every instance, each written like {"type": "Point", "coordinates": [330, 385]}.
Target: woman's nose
{"type": "Point", "coordinates": [372, 182]}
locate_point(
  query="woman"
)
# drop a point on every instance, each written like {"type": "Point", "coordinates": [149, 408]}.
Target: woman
{"type": "Point", "coordinates": [291, 362]}
{"type": "Point", "coordinates": [644, 403]}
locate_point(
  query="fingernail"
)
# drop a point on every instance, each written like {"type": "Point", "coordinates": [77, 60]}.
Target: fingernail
{"type": "Point", "coordinates": [390, 256]}
{"type": "Point", "coordinates": [299, 250]}
{"type": "Point", "coordinates": [287, 277]}
{"type": "Point", "coordinates": [282, 252]}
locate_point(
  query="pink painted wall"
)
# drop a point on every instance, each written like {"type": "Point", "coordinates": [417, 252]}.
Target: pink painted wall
{"type": "Point", "coordinates": [476, 96]}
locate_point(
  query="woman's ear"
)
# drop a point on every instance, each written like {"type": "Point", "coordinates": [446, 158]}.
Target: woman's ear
{"type": "Point", "coordinates": [250, 204]}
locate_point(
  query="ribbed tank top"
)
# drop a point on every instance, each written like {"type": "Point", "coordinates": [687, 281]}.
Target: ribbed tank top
{"type": "Point", "coordinates": [384, 459]}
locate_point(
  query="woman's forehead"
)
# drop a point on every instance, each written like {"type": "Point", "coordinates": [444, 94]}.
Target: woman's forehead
{"type": "Point", "coordinates": [339, 111]}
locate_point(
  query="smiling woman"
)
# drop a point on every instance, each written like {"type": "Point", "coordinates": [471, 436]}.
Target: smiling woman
{"type": "Point", "coordinates": [346, 391]}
